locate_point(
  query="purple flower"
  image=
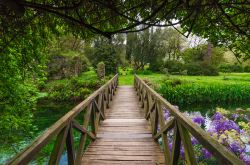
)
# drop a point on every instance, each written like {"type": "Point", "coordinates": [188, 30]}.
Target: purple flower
{"type": "Point", "coordinates": [245, 158]}
{"type": "Point", "coordinates": [237, 148]}
{"type": "Point", "coordinates": [166, 114]}
{"type": "Point", "coordinates": [194, 141]}
{"type": "Point", "coordinates": [206, 153]}
{"type": "Point", "coordinates": [217, 116]}
{"type": "Point", "coordinates": [235, 116]}
{"type": "Point", "coordinates": [220, 126]}
{"type": "Point", "coordinates": [199, 120]}
{"type": "Point", "coordinates": [170, 146]}
{"type": "Point", "coordinates": [182, 153]}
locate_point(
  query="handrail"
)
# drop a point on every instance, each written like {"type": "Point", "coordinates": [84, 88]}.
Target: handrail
{"type": "Point", "coordinates": [153, 104]}
{"type": "Point", "coordinates": [95, 106]}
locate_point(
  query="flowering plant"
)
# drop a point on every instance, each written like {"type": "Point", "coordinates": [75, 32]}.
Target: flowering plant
{"type": "Point", "coordinates": [231, 130]}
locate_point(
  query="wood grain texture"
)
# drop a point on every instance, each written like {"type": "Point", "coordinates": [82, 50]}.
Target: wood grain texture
{"type": "Point", "coordinates": [124, 137]}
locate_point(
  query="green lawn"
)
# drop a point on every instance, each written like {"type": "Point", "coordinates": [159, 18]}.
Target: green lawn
{"type": "Point", "coordinates": [126, 79]}
{"type": "Point", "coordinates": [222, 78]}
{"type": "Point", "coordinates": [156, 78]}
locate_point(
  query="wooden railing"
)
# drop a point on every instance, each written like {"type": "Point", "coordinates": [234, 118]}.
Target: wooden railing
{"type": "Point", "coordinates": [183, 127]}
{"type": "Point", "coordinates": [94, 110]}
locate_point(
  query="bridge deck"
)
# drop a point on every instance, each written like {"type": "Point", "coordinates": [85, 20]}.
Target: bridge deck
{"type": "Point", "coordinates": [124, 137]}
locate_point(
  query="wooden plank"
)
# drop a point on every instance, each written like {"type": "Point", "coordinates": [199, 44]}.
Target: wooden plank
{"type": "Point", "coordinates": [110, 162]}
{"type": "Point", "coordinates": [125, 135]}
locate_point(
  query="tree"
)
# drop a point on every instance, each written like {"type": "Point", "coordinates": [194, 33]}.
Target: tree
{"type": "Point", "coordinates": [103, 50]}
{"type": "Point", "coordinates": [223, 22]}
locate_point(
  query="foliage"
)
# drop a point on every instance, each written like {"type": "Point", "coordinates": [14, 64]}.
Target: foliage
{"type": "Point", "coordinates": [103, 50]}
{"type": "Point", "coordinates": [173, 66]}
{"type": "Point", "coordinates": [202, 89]}
{"type": "Point", "coordinates": [191, 93]}
{"type": "Point", "coordinates": [152, 46]}
{"type": "Point", "coordinates": [201, 69]}
{"type": "Point", "coordinates": [64, 65]}
{"type": "Point", "coordinates": [222, 22]}
{"type": "Point", "coordinates": [22, 69]}
{"type": "Point", "coordinates": [231, 68]}
{"type": "Point", "coordinates": [144, 72]}
{"type": "Point", "coordinates": [75, 88]}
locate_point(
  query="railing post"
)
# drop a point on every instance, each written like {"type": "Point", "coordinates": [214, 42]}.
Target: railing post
{"type": "Point", "coordinates": [163, 135]}
{"type": "Point", "coordinates": [188, 148]}
{"type": "Point", "coordinates": [176, 146]}
{"type": "Point", "coordinates": [59, 146]}
{"type": "Point", "coordinates": [70, 146]}
{"type": "Point", "coordinates": [84, 136]}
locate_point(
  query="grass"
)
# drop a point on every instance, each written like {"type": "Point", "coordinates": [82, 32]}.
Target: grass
{"type": "Point", "coordinates": [182, 90]}
{"type": "Point", "coordinates": [231, 78]}
{"type": "Point", "coordinates": [126, 79]}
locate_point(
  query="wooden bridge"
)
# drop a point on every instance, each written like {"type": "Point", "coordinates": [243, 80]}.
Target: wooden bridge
{"type": "Point", "coordinates": [126, 125]}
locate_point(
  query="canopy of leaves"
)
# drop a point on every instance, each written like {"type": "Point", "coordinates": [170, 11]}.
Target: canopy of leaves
{"type": "Point", "coordinates": [223, 21]}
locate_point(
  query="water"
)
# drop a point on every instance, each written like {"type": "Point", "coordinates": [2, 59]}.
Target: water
{"type": "Point", "coordinates": [47, 114]}
{"type": "Point", "coordinates": [208, 109]}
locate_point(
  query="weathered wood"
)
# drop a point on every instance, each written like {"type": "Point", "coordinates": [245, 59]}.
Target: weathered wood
{"type": "Point", "coordinates": [70, 146]}
{"type": "Point", "coordinates": [59, 146]}
{"type": "Point", "coordinates": [176, 145]}
{"type": "Point", "coordinates": [187, 144]}
{"type": "Point", "coordinates": [163, 134]}
{"type": "Point", "coordinates": [168, 126]}
{"type": "Point", "coordinates": [83, 130]}
{"type": "Point", "coordinates": [212, 145]}
{"type": "Point", "coordinates": [124, 135]}
{"type": "Point", "coordinates": [84, 136]}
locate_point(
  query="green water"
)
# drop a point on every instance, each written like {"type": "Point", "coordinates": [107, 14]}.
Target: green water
{"type": "Point", "coordinates": [46, 114]}
{"type": "Point", "coordinates": [210, 108]}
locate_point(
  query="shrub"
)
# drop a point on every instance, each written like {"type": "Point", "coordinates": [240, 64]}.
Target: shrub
{"type": "Point", "coordinates": [231, 68]}
{"type": "Point", "coordinates": [201, 69]}
{"type": "Point", "coordinates": [174, 66]}
{"type": "Point", "coordinates": [144, 72]}
{"type": "Point", "coordinates": [74, 88]}
{"type": "Point", "coordinates": [247, 68]}
{"type": "Point", "coordinates": [194, 69]}
{"type": "Point", "coordinates": [62, 66]}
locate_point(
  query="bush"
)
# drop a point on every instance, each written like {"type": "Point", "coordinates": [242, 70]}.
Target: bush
{"type": "Point", "coordinates": [74, 88]}
{"type": "Point", "coordinates": [174, 66]}
{"type": "Point", "coordinates": [247, 69]}
{"type": "Point", "coordinates": [62, 66]}
{"type": "Point", "coordinates": [201, 69]}
{"type": "Point", "coordinates": [231, 68]}
{"type": "Point", "coordinates": [144, 72]}
{"type": "Point", "coordinates": [194, 69]}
